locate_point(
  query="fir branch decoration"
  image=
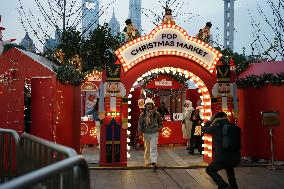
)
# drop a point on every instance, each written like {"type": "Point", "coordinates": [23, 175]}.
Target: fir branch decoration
{"type": "Point", "coordinates": [261, 80]}
{"type": "Point", "coordinates": [68, 74]}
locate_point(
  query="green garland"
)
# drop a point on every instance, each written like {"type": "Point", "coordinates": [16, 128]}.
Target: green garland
{"type": "Point", "coordinates": [261, 80]}
{"type": "Point", "coordinates": [179, 78]}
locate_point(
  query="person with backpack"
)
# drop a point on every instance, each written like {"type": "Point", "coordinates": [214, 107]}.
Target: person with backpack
{"type": "Point", "coordinates": [226, 149]}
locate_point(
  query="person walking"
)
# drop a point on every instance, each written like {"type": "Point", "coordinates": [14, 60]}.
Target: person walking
{"type": "Point", "coordinates": [223, 158]}
{"type": "Point", "coordinates": [150, 124]}
{"type": "Point", "coordinates": [195, 138]}
{"type": "Point", "coordinates": [186, 122]}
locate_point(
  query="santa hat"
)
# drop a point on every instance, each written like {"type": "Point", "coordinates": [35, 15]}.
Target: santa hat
{"type": "Point", "coordinates": [149, 100]}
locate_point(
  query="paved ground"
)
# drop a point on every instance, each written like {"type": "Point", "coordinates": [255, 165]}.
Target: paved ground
{"type": "Point", "coordinates": [176, 171]}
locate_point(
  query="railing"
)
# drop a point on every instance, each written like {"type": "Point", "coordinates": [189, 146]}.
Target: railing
{"type": "Point", "coordinates": [69, 173]}
{"type": "Point", "coordinates": [9, 143]}
{"type": "Point", "coordinates": [35, 153]}
{"type": "Point", "coordinates": [40, 163]}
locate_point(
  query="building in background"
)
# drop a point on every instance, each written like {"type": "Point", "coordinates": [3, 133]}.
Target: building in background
{"type": "Point", "coordinates": [28, 43]}
{"type": "Point", "coordinates": [135, 13]}
{"type": "Point", "coordinates": [90, 16]}
{"type": "Point", "coordinates": [51, 44]}
{"type": "Point", "coordinates": [229, 24]}
{"type": "Point", "coordinates": [114, 25]}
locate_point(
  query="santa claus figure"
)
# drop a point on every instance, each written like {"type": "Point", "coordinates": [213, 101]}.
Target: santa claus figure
{"type": "Point", "coordinates": [2, 43]}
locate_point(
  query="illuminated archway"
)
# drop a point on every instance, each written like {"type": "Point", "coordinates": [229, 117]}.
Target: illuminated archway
{"type": "Point", "coordinates": [202, 90]}
{"type": "Point", "coordinates": [170, 47]}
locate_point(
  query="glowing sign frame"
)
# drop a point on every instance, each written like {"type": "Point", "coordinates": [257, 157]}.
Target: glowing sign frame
{"type": "Point", "coordinates": [168, 40]}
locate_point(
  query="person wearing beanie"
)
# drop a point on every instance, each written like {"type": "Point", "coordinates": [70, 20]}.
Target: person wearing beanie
{"type": "Point", "coordinates": [149, 125]}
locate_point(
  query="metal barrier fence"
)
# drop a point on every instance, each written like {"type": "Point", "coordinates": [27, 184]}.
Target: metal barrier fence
{"type": "Point", "coordinates": [70, 173]}
{"type": "Point", "coordinates": [9, 143]}
{"type": "Point", "coordinates": [37, 159]}
{"type": "Point", "coordinates": [35, 152]}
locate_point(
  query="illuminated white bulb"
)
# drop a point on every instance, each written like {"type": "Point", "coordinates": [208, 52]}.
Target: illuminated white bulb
{"type": "Point", "coordinates": [128, 147]}
{"type": "Point", "coordinates": [209, 155]}
{"type": "Point", "coordinates": [129, 124]}
{"type": "Point", "coordinates": [209, 147]}
{"type": "Point", "coordinates": [129, 117]}
{"type": "Point", "coordinates": [129, 102]}
{"type": "Point", "coordinates": [128, 140]}
{"type": "Point", "coordinates": [130, 96]}
{"type": "Point", "coordinates": [129, 109]}
{"type": "Point", "coordinates": [128, 132]}
{"type": "Point", "coordinates": [128, 155]}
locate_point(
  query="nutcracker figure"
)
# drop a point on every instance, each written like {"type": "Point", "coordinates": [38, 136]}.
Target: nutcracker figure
{"type": "Point", "coordinates": [114, 128]}
{"type": "Point", "coordinates": [223, 92]}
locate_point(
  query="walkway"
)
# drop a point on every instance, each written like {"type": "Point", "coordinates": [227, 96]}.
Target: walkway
{"type": "Point", "coordinates": [177, 170]}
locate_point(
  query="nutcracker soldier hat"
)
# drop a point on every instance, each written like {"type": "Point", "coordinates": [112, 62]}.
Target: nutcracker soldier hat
{"type": "Point", "coordinates": [223, 71]}
{"type": "Point", "coordinates": [113, 73]}
{"type": "Point", "coordinates": [208, 24]}
{"type": "Point", "coordinates": [128, 21]}
{"type": "Point", "coordinates": [168, 11]}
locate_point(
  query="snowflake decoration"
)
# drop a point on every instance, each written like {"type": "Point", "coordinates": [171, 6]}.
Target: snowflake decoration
{"type": "Point", "coordinates": [166, 132]}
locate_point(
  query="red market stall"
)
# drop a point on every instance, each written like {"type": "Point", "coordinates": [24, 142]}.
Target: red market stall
{"type": "Point", "coordinates": [89, 97]}
{"type": "Point", "coordinates": [161, 89]}
{"type": "Point", "coordinates": [253, 101]}
{"type": "Point", "coordinates": [55, 108]}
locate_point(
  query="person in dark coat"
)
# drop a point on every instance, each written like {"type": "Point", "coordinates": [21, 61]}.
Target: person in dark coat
{"type": "Point", "coordinates": [163, 110]}
{"type": "Point", "coordinates": [222, 159]}
{"type": "Point", "coordinates": [194, 139]}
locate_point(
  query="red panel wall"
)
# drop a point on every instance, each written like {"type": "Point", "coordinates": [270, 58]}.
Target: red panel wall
{"type": "Point", "coordinates": [255, 137]}
{"type": "Point", "coordinates": [68, 111]}
{"type": "Point", "coordinates": [42, 107]}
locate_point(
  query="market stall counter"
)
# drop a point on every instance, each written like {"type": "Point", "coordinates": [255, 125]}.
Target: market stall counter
{"type": "Point", "coordinates": [88, 133]}
{"type": "Point", "coordinates": [171, 133]}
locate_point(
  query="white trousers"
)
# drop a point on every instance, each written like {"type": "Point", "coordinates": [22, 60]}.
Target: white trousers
{"type": "Point", "coordinates": [150, 144]}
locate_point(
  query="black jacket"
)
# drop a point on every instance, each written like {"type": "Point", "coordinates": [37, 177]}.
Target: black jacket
{"type": "Point", "coordinates": [220, 155]}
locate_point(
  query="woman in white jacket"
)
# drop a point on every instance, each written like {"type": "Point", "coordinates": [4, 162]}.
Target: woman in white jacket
{"type": "Point", "coordinates": [186, 123]}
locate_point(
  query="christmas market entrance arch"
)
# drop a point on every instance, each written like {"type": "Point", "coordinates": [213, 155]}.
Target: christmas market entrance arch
{"type": "Point", "coordinates": [167, 46]}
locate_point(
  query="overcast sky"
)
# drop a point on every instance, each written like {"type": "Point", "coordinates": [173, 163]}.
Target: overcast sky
{"type": "Point", "coordinates": [208, 10]}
